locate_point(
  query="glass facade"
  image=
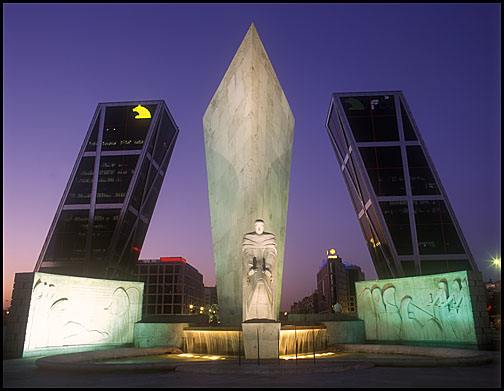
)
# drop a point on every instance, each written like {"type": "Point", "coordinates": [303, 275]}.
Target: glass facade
{"type": "Point", "coordinates": [105, 211]}
{"type": "Point", "coordinates": [114, 178]}
{"type": "Point", "coordinates": [397, 218]}
{"type": "Point", "coordinates": [385, 169]}
{"type": "Point", "coordinates": [421, 177]}
{"type": "Point", "coordinates": [371, 118]}
{"type": "Point", "coordinates": [68, 242]}
{"type": "Point", "coordinates": [80, 191]}
{"type": "Point", "coordinates": [435, 230]}
{"type": "Point", "coordinates": [122, 131]}
{"type": "Point", "coordinates": [405, 216]}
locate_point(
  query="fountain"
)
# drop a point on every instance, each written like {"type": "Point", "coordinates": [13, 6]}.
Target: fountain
{"type": "Point", "coordinates": [229, 341]}
{"type": "Point", "coordinates": [304, 339]}
{"type": "Point", "coordinates": [222, 341]}
{"type": "Point", "coordinates": [260, 335]}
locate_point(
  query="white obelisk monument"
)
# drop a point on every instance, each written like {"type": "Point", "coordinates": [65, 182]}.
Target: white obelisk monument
{"type": "Point", "coordinates": [248, 129]}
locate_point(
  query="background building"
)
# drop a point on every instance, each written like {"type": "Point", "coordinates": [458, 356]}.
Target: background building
{"type": "Point", "coordinates": [336, 283]}
{"type": "Point", "coordinates": [354, 273]}
{"type": "Point", "coordinates": [332, 283]}
{"type": "Point", "coordinates": [309, 305]}
{"type": "Point", "coordinates": [210, 295]}
{"type": "Point", "coordinates": [407, 221]}
{"type": "Point", "coordinates": [171, 286]}
{"type": "Point", "coordinates": [493, 298]}
{"type": "Point", "coordinates": [102, 219]}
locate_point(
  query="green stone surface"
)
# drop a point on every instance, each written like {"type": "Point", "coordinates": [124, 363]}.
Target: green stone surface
{"type": "Point", "coordinates": [434, 308]}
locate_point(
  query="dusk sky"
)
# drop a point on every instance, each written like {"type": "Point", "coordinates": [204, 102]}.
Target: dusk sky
{"type": "Point", "coordinates": [61, 60]}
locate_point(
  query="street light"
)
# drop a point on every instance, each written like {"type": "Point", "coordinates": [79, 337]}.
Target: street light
{"type": "Point", "coordinates": [497, 262]}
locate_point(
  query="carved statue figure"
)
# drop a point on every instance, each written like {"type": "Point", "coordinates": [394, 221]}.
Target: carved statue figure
{"type": "Point", "coordinates": [456, 315]}
{"type": "Point", "coordinates": [368, 313]}
{"type": "Point", "coordinates": [118, 311]}
{"type": "Point", "coordinates": [410, 325]}
{"type": "Point", "coordinates": [392, 315]}
{"type": "Point", "coordinates": [381, 325]}
{"type": "Point", "coordinates": [259, 258]}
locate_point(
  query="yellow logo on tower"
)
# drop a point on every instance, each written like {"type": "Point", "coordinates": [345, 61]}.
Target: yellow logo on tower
{"type": "Point", "coordinates": [142, 112]}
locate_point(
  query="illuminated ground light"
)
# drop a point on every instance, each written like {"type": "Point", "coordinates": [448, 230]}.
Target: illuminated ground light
{"type": "Point", "coordinates": [189, 355]}
{"type": "Point", "coordinates": [305, 355]}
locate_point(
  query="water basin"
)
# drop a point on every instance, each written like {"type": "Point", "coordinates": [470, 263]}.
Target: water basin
{"type": "Point", "coordinates": [185, 357]}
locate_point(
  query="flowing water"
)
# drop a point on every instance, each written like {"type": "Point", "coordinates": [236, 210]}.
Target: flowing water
{"type": "Point", "coordinates": [227, 342]}
{"type": "Point", "coordinates": [308, 340]}
{"type": "Point", "coordinates": [212, 342]}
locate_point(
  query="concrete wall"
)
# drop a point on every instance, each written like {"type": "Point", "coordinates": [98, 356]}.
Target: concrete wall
{"type": "Point", "coordinates": [172, 334]}
{"type": "Point", "coordinates": [261, 339]}
{"type": "Point", "coordinates": [317, 318]}
{"type": "Point", "coordinates": [148, 335]}
{"type": "Point", "coordinates": [248, 128]}
{"type": "Point", "coordinates": [351, 332]}
{"type": "Point", "coordinates": [438, 309]}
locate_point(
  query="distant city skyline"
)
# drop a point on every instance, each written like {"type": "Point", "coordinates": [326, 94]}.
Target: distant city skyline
{"type": "Point", "coordinates": [445, 58]}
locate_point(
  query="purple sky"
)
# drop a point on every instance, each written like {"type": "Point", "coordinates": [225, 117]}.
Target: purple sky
{"type": "Point", "coordinates": [60, 61]}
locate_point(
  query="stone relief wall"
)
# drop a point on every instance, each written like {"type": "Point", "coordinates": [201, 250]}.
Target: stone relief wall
{"type": "Point", "coordinates": [69, 311]}
{"type": "Point", "coordinates": [425, 308]}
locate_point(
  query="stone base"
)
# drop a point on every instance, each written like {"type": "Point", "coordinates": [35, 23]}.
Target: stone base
{"type": "Point", "coordinates": [267, 335]}
{"type": "Point", "coordinates": [148, 335]}
{"type": "Point", "coordinates": [346, 332]}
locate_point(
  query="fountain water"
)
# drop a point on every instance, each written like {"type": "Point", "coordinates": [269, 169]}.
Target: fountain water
{"type": "Point", "coordinates": [309, 340]}
{"type": "Point", "coordinates": [211, 341]}
{"type": "Point", "coordinates": [227, 342]}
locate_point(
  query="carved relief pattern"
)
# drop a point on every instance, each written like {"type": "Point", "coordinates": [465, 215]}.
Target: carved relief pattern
{"type": "Point", "coordinates": [79, 311]}
{"type": "Point", "coordinates": [427, 308]}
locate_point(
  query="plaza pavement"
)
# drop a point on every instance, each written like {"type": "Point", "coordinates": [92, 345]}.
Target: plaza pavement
{"type": "Point", "coordinates": [23, 373]}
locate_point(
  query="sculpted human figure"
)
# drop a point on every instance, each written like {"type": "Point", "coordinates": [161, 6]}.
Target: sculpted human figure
{"type": "Point", "coordinates": [456, 315]}
{"type": "Point", "coordinates": [259, 257]}
{"type": "Point", "coordinates": [381, 327]}
{"type": "Point", "coordinates": [368, 313]}
{"type": "Point", "coordinates": [410, 326]}
{"type": "Point", "coordinates": [392, 315]}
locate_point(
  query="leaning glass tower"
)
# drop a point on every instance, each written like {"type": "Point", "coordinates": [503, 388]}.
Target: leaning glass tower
{"type": "Point", "coordinates": [403, 210]}
{"type": "Point", "coordinates": [107, 205]}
